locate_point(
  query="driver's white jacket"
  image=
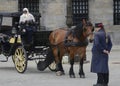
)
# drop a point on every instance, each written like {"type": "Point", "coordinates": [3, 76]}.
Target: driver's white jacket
{"type": "Point", "coordinates": [26, 17]}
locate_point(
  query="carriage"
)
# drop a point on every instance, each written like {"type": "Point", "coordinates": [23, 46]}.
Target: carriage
{"type": "Point", "coordinates": [13, 45]}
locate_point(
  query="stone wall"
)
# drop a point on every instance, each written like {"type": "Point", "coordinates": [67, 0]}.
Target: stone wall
{"type": "Point", "coordinates": [53, 13]}
{"type": "Point", "coordinates": [8, 5]}
{"type": "Point", "coordinates": [102, 11]}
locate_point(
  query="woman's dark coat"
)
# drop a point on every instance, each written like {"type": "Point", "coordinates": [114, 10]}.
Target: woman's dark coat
{"type": "Point", "coordinates": [99, 62]}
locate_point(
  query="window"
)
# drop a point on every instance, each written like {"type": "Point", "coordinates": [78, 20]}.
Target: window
{"type": "Point", "coordinates": [32, 5]}
{"type": "Point", "coordinates": [116, 14]}
{"type": "Point", "coordinates": [1, 20]}
{"type": "Point", "coordinates": [79, 10]}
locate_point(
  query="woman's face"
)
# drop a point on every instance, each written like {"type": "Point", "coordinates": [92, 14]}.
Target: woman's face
{"type": "Point", "coordinates": [97, 29]}
{"type": "Point", "coordinates": [25, 12]}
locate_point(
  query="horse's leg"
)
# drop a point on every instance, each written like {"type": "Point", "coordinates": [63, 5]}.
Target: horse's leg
{"type": "Point", "coordinates": [58, 60]}
{"type": "Point", "coordinates": [71, 71]}
{"type": "Point", "coordinates": [60, 70]}
{"type": "Point", "coordinates": [81, 72]}
{"type": "Point", "coordinates": [60, 65]}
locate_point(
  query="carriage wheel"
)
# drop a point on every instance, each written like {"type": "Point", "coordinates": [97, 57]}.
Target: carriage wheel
{"type": "Point", "coordinates": [20, 59]}
{"type": "Point", "coordinates": [52, 66]}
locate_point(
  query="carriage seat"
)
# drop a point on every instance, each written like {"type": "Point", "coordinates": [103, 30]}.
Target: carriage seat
{"type": "Point", "coordinates": [6, 29]}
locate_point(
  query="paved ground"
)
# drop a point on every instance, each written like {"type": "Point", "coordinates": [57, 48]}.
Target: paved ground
{"type": "Point", "coordinates": [33, 77]}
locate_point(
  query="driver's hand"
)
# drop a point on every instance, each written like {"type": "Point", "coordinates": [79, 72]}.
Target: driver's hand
{"type": "Point", "coordinates": [24, 30]}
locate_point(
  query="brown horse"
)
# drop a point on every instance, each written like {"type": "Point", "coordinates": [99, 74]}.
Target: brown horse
{"type": "Point", "coordinates": [77, 45]}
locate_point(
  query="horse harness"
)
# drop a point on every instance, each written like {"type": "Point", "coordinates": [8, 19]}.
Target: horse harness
{"type": "Point", "coordinates": [69, 43]}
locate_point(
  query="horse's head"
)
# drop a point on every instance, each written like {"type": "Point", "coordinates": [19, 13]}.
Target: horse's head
{"type": "Point", "coordinates": [88, 28]}
{"type": "Point", "coordinates": [83, 30]}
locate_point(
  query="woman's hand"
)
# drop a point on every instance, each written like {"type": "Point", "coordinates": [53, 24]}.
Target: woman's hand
{"type": "Point", "coordinates": [106, 52]}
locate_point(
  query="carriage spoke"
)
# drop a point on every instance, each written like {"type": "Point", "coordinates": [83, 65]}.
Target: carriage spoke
{"type": "Point", "coordinates": [19, 58]}
{"type": "Point", "coordinates": [20, 64]}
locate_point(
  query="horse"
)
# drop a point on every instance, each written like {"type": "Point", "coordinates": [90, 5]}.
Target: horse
{"type": "Point", "coordinates": [77, 45]}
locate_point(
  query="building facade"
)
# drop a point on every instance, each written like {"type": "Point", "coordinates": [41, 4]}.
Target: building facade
{"type": "Point", "coordinates": [64, 13]}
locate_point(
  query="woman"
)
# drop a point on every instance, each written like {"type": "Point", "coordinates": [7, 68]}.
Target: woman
{"type": "Point", "coordinates": [26, 16]}
{"type": "Point", "coordinates": [27, 21]}
{"type": "Point", "coordinates": [101, 48]}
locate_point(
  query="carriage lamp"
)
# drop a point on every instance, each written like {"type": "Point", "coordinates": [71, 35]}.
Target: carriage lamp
{"type": "Point", "coordinates": [14, 30]}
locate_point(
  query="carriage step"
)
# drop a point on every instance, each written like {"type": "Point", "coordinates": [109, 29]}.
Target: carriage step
{"type": "Point", "coordinates": [34, 59]}
{"type": "Point", "coordinates": [4, 60]}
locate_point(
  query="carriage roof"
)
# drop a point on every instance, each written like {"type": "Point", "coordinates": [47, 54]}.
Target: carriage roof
{"type": "Point", "coordinates": [16, 14]}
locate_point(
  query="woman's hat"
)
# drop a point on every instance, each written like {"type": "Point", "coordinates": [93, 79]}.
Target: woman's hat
{"type": "Point", "coordinates": [25, 9]}
{"type": "Point", "coordinates": [98, 24]}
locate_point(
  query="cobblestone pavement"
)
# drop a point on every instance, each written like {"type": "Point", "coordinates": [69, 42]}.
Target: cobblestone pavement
{"type": "Point", "coordinates": [33, 77]}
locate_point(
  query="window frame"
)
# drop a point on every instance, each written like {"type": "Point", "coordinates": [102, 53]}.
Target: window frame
{"type": "Point", "coordinates": [32, 5]}
{"type": "Point", "coordinates": [116, 12]}
{"type": "Point", "coordinates": [80, 10]}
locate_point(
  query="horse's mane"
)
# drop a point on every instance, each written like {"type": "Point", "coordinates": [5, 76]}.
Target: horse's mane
{"type": "Point", "coordinates": [78, 30]}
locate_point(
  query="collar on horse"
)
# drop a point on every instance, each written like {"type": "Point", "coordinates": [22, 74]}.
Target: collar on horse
{"type": "Point", "coordinates": [71, 43]}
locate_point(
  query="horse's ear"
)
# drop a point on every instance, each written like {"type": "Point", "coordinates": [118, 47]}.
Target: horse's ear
{"type": "Point", "coordinates": [84, 21]}
{"type": "Point", "coordinates": [84, 24]}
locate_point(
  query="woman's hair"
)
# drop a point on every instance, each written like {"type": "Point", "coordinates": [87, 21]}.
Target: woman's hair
{"type": "Point", "coordinates": [103, 28]}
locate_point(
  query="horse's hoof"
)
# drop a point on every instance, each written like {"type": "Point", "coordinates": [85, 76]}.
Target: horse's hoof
{"type": "Point", "coordinates": [72, 76]}
{"type": "Point", "coordinates": [59, 73]}
{"type": "Point", "coordinates": [82, 76]}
